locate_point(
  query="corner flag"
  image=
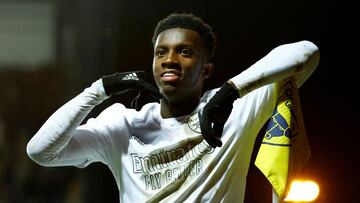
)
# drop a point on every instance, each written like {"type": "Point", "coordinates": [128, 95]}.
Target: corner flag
{"type": "Point", "coordinates": [284, 149]}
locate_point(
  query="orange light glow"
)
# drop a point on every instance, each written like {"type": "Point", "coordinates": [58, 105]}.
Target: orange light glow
{"type": "Point", "coordinates": [303, 191]}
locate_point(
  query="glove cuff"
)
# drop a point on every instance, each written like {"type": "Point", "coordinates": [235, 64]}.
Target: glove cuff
{"type": "Point", "coordinates": [229, 91]}
{"type": "Point", "coordinates": [109, 82]}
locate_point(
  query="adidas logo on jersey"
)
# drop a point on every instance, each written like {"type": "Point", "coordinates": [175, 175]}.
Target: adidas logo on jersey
{"type": "Point", "coordinates": [130, 76]}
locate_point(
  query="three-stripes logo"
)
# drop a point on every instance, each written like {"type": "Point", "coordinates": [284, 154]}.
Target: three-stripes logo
{"type": "Point", "coordinates": [130, 76]}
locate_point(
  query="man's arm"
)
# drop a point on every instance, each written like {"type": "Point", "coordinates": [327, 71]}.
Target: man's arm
{"type": "Point", "coordinates": [46, 145]}
{"type": "Point", "coordinates": [53, 145]}
{"type": "Point", "coordinates": [297, 60]}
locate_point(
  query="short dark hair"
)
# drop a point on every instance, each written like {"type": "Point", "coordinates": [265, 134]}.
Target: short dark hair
{"type": "Point", "coordinates": [188, 21]}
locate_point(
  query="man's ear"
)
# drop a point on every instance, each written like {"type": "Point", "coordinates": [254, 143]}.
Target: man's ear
{"type": "Point", "coordinates": [208, 69]}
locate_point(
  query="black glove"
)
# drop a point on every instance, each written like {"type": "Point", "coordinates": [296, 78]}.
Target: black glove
{"type": "Point", "coordinates": [119, 83]}
{"type": "Point", "coordinates": [216, 113]}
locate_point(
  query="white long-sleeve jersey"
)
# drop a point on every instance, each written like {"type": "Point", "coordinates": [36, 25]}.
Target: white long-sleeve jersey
{"type": "Point", "coordinates": [167, 160]}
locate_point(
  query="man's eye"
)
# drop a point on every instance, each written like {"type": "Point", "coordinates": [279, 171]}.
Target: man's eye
{"type": "Point", "coordinates": [186, 52]}
{"type": "Point", "coordinates": [160, 53]}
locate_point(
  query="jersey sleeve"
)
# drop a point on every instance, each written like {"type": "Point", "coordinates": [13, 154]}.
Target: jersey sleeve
{"type": "Point", "coordinates": [252, 111]}
{"type": "Point", "coordinates": [53, 145]}
{"type": "Point", "coordinates": [106, 137]}
{"type": "Point", "coordinates": [298, 60]}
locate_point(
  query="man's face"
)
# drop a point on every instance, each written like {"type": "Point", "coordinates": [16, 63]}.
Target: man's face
{"type": "Point", "coordinates": [179, 63]}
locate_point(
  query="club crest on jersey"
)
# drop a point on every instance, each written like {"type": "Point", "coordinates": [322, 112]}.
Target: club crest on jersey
{"type": "Point", "coordinates": [194, 123]}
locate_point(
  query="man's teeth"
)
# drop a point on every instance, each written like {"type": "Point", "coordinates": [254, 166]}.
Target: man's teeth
{"type": "Point", "coordinates": [169, 74]}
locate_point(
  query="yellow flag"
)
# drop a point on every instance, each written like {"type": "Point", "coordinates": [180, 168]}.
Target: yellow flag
{"type": "Point", "coordinates": [284, 149]}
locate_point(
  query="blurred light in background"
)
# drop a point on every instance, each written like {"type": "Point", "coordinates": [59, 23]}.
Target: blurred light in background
{"type": "Point", "coordinates": [303, 191]}
{"type": "Point", "coordinates": [27, 37]}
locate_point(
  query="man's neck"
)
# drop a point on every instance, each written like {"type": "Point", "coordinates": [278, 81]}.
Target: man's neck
{"type": "Point", "coordinates": [180, 108]}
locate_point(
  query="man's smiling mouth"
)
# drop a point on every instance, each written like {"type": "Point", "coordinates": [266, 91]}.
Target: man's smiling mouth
{"type": "Point", "coordinates": [170, 76]}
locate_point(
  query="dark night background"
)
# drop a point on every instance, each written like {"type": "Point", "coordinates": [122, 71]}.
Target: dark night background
{"type": "Point", "coordinates": [94, 38]}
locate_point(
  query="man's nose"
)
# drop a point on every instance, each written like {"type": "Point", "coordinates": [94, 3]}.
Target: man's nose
{"type": "Point", "coordinates": [171, 59]}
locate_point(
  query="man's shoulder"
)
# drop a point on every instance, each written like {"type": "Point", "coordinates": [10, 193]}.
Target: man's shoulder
{"type": "Point", "coordinates": [150, 111]}
{"type": "Point", "coordinates": [149, 107]}
{"type": "Point", "coordinates": [119, 112]}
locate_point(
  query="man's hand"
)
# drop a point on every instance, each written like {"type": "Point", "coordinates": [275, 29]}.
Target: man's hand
{"type": "Point", "coordinates": [216, 113]}
{"type": "Point", "coordinates": [122, 82]}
